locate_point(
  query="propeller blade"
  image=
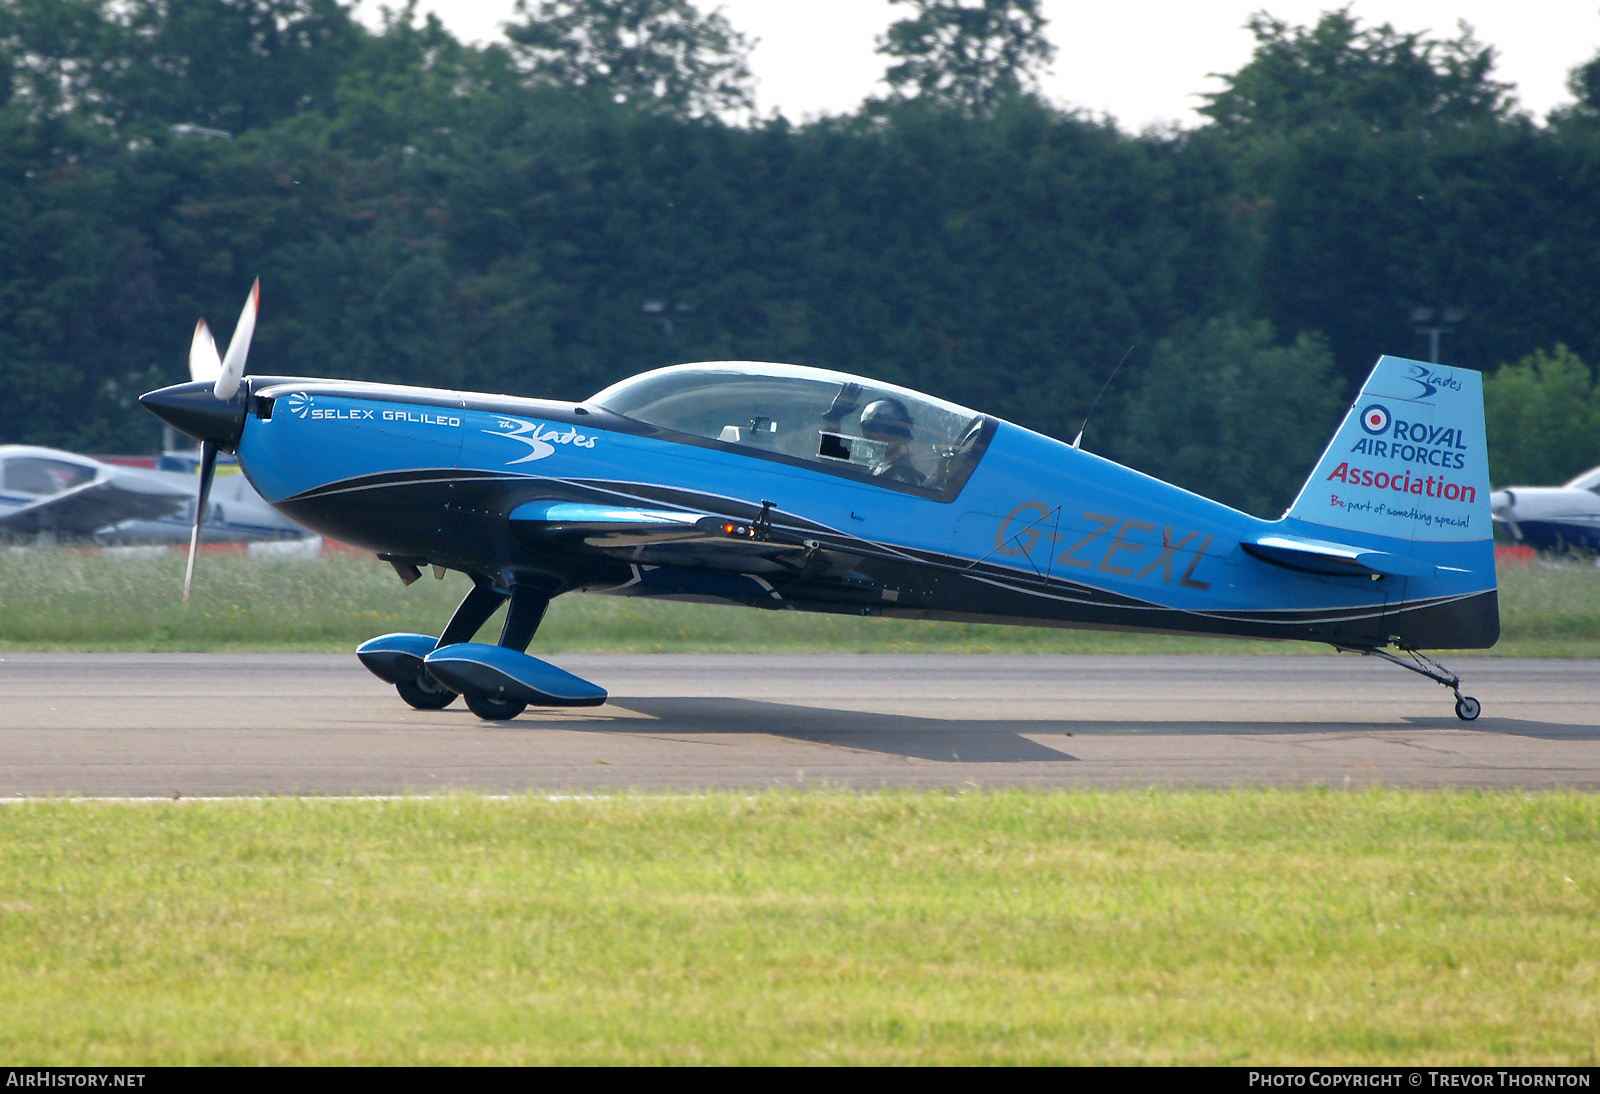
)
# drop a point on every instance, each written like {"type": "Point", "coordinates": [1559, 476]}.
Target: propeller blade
{"type": "Point", "coordinates": [238, 346]}
{"type": "Point", "coordinates": [204, 364]}
{"type": "Point", "coordinates": [208, 467]}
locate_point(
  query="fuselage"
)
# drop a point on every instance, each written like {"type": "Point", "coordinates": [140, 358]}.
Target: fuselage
{"type": "Point", "coordinates": [1035, 532]}
{"type": "Point", "coordinates": [1553, 518]}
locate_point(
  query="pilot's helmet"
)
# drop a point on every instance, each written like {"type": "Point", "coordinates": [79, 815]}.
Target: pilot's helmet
{"type": "Point", "coordinates": [886, 420]}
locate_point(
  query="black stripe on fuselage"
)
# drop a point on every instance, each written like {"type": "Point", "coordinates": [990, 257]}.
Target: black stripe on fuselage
{"type": "Point", "coordinates": [459, 518]}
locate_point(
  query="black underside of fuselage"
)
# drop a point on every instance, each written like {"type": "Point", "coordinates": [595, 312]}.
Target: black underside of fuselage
{"type": "Point", "coordinates": [456, 519]}
{"type": "Point", "coordinates": [460, 519]}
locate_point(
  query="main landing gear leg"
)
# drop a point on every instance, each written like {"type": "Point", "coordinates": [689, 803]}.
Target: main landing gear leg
{"type": "Point", "coordinates": [1467, 708]}
{"type": "Point", "coordinates": [499, 682]}
{"type": "Point", "coordinates": [426, 693]}
{"type": "Point", "coordinates": [475, 609]}
{"type": "Point", "coordinates": [523, 618]}
{"type": "Point", "coordinates": [522, 621]}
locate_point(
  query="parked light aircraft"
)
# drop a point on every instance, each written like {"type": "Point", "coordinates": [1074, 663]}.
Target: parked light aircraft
{"type": "Point", "coordinates": [786, 487]}
{"type": "Point", "coordinates": [47, 493]}
{"type": "Point", "coordinates": [1553, 518]}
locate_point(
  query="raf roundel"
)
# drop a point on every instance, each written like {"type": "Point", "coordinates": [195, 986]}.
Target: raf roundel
{"type": "Point", "coordinates": [1375, 419]}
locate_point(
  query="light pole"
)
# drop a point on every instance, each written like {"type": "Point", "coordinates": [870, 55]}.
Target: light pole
{"type": "Point", "coordinates": [1435, 323]}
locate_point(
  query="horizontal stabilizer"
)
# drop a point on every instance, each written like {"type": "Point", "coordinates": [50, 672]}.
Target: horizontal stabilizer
{"type": "Point", "coordinates": [1321, 557]}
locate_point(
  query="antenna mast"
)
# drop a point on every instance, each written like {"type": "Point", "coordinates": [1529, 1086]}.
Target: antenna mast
{"type": "Point", "coordinates": [1076, 441]}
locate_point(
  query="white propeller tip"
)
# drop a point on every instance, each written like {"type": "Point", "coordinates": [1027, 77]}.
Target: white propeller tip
{"type": "Point", "coordinates": [232, 370]}
{"type": "Point", "coordinates": [204, 364]}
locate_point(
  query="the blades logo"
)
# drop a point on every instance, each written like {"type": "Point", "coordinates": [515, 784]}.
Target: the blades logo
{"type": "Point", "coordinates": [542, 442]}
{"type": "Point", "coordinates": [1431, 380]}
{"type": "Point", "coordinates": [1419, 375]}
{"type": "Point", "coordinates": [299, 404]}
{"type": "Point", "coordinates": [1375, 419]}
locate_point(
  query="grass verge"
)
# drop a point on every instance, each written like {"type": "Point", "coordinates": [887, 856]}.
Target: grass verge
{"type": "Point", "coordinates": [70, 600]}
{"type": "Point", "coordinates": [1251, 926]}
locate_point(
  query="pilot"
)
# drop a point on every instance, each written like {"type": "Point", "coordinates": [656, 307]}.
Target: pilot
{"type": "Point", "coordinates": [889, 423]}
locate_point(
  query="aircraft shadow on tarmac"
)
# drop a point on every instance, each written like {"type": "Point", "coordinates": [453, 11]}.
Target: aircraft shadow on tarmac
{"type": "Point", "coordinates": [997, 741]}
{"type": "Point", "coordinates": [957, 741]}
{"type": "Point", "coordinates": [1512, 727]}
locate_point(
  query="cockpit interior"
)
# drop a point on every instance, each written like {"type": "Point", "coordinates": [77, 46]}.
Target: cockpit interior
{"type": "Point", "coordinates": [889, 435]}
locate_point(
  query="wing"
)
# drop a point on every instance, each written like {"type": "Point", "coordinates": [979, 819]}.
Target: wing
{"type": "Point", "coordinates": [1322, 557]}
{"type": "Point", "coordinates": [660, 537]}
{"type": "Point", "coordinates": [88, 507]}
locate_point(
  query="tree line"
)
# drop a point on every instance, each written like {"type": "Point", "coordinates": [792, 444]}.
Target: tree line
{"type": "Point", "coordinates": [595, 196]}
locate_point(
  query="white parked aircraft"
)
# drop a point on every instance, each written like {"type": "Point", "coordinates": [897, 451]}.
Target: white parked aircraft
{"type": "Point", "coordinates": [1552, 518]}
{"type": "Point", "coordinates": [47, 494]}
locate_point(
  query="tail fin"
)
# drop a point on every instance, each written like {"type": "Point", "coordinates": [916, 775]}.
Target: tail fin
{"type": "Point", "coordinates": [1409, 462]}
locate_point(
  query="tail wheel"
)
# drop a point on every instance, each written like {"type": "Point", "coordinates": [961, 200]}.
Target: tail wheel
{"type": "Point", "coordinates": [1467, 708]}
{"type": "Point", "coordinates": [425, 693]}
{"type": "Point", "coordinates": [492, 709]}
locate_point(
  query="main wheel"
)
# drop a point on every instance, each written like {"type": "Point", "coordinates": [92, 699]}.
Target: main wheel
{"type": "Point", "coordinates": [491, 709]}
{"type": "Point", "coordinates": [425, 693]}
{"type": "Point", "coordinates": [1467, 708]}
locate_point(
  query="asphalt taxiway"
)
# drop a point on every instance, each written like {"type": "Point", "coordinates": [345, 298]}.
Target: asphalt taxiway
{"type": "Point", "coordinates": [244, 724]}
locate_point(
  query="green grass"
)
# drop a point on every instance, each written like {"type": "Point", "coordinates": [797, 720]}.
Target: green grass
{"type": "Point", "coordinates": [71, 600]}
{"type": "Point", "coordinates": [1251, 926]}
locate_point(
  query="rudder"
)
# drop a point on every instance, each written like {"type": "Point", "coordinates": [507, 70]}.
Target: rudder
{"type": "Point", "coordinates": [1408, 473]}
{"type": "Point", "coordinates": [1409, 461]}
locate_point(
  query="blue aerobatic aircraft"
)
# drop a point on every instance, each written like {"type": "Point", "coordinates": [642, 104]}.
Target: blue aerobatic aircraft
{"type": "Point", "coordinates": [785, 487]}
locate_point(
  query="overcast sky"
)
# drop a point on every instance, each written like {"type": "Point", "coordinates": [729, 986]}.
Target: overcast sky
{"type": "Point", "coordinates": [1140, 61]}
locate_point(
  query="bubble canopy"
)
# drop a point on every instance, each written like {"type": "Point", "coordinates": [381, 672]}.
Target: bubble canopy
{"type": "Point", "coordinates": [845, 424]}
